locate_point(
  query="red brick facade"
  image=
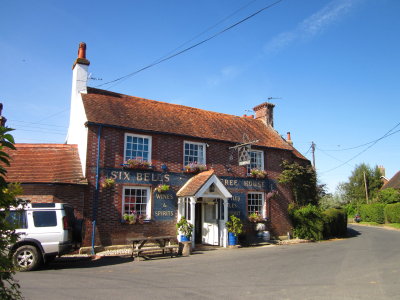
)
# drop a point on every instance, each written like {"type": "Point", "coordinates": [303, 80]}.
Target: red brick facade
{"type": "Point", "coordinates": [167, 149]}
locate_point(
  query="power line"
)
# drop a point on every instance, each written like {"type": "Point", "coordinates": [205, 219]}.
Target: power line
{"type": "Point", "coordinates": [358, 154]}
{"type": "Point", "coordinates": [191, 47]}
{"type": "Point", "coordinates": [359, 146]}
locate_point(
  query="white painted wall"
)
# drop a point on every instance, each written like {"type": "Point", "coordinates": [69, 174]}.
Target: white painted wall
{"type": "Point", "coordinates": [77, 131]}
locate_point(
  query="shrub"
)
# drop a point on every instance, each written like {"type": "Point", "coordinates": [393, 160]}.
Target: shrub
{"type": "Point", "coordinates": [392, 213]}
{"type": "Point", "coordinates": [335, 222]}
{"type": "Point", "coordinates": [389, 195]}
{"type": "Point", "coordinates": [351, 209]}
{"type": "Point", "coordinates": [373, 212]}
{"type": "Point", "coordinates": [307, 222]}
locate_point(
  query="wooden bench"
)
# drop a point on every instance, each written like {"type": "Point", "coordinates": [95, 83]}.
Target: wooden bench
{"type": "Point", "coordinates": [152, 244]}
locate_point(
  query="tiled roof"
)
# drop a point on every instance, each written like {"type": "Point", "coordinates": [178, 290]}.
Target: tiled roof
{"type": "Point", "coordinates": [394, 182]}
{"type": "Point", "coordinates": [44, 163]}
{"type": "Point", "coordinates": [194, 184]}
{"type": "Point", "coordinates": [104, 107]}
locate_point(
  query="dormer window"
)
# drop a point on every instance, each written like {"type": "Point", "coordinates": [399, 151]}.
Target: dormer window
{"type": "Point", "coordinates": [137, 147]}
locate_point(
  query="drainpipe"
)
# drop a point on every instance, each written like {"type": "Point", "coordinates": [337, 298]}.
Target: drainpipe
{"type": "Point", "coordinates": [96, 193]}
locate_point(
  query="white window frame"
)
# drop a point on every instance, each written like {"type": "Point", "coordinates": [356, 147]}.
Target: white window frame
{"type": "Point", "coordinates": [198, 144]}
{"type": "Point", "coordinates": [258, 165]}
{"type": "Point", "coordinates": [137, 136]}
{"type": "Point", "coordinates": [261, 211]}
{"type": "Point", "coordinates": [149, 199]}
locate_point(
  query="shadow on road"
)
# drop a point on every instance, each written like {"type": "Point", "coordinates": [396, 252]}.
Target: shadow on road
{"type": "Point", "coordinates": [85, 262]}
{"type": "Point", "coordinates": [351, 232]}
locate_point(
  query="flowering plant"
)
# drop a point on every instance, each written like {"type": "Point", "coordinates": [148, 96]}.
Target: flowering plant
{"type": "Point", "coordinates": [162, 188]}
{"type": "Point", "coordinates": [255, 217]}
{"type": "Point", "coordinates": [107, 182]}
{"type": "Point", "coordinates": [257, 173]}
{"type": "Point", "coordinates": [194, 167]}
{"type": "Point", "coordinates": [137, 163]}
{"type": "Point", "coordinates": [133, 217]}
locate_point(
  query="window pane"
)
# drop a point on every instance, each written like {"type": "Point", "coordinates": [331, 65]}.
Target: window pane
{"type": "Point", "coordinates": [44, 218]}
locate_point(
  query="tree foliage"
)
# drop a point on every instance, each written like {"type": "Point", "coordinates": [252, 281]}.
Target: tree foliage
{"type": "Point", "coordinates": [302, 181]}
{"type": "Point", "coordinates": [354, 189]}
{"type": "Point", "coordinates": [389, 195]}
{"type": "Point", "coordinates": [9, 288]}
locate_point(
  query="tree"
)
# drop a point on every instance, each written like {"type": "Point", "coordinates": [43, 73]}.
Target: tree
{"type": "Point", "coordinates": [354, 189]}
{"type": "Point", "coordinates": [302, 181]}
{"type": "Point", "coordinates": [9, 288]}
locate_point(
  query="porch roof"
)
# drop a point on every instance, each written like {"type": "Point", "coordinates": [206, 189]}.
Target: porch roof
{"type": "Point", "coordinates": [198, 184]}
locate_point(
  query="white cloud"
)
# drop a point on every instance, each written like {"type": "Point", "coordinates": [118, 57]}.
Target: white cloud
{"type": "Point", "coordinates": [313, 25]}
{"type": "Point", "coordinates": [225, 74]}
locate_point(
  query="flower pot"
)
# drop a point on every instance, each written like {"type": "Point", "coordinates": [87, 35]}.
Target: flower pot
{"type": "Point", "coordinates": [232, 239]}
{"type": "Point", "coordinates": [184, 238]}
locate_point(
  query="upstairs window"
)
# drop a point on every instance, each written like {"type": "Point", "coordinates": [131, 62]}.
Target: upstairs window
{"type": "Point", "coordinates": [137, 147]}
{"type": "Point", "coordinates": [194, 152]}
{"type": "Point", "coordinates": [256, 160]}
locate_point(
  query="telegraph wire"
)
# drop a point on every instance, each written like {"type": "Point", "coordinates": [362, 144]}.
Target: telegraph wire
{"type": "Point", "coordinates": [387, 134]}
{"type": "Point", "coordinates": [359, 146]}
{"type": "Point", "coordinates": [193, 46]}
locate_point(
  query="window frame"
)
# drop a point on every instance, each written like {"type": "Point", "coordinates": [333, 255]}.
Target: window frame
{"type": "Point", "coordinates": [261, 163]}
{"type": "Point", "coordinates": [198, 144]}
{"type": "Point", "coordinates": [148, 203]}
{"type": "Point", "coordinates": [262, 211]}
{"type": "Point", "coordinates": [138, 136]}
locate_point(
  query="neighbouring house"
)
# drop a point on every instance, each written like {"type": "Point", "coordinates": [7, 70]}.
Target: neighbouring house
{"type": "Point", "coordinates": [159, 161]}
{"type": "Point", "coordinates": [49, 173]}
{"type": "Point", "coordinates": [393, 182]}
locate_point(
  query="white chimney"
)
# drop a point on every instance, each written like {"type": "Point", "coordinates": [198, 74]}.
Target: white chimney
{"type": "Point", "coordinates": [77, 131]}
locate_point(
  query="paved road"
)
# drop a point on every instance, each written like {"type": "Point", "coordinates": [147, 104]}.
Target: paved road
{"type": "Point", "coordinates": [364, 266]}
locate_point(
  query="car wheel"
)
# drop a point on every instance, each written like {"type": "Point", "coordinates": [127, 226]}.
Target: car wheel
{"type": "Point", "coordinates": [26, 258]}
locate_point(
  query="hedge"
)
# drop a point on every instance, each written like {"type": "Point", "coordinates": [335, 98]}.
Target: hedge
{"type": "Point", "coordinates": [373, 213]}
{"type": "Point", "coordinates": [392, 213]}
{"type": "Point", "coordinates": [335, 222]}
{"type": "Point", "coordinates": [308, 222]}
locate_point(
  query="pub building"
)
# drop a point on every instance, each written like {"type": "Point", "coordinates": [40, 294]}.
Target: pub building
{"type": "Point", "coordinates": [159, 161]}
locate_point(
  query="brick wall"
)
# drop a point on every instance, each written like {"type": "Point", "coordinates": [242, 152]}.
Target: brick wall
{"type": "Point", "coordinates": [168, 150]}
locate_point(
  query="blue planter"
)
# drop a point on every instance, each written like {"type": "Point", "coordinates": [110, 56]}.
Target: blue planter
{"type": "Point", "coordinates": [232, 239]}
{"type": "Point", "coordinates": [184, 238]}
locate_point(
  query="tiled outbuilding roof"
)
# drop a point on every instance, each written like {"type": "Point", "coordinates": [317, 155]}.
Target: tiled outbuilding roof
{"type": "Point", "coordinates": [45, 163]}
{"type": "Point", "coordinates": [108, 108]}
{"type": "Point", "coordinates": [393, 182]}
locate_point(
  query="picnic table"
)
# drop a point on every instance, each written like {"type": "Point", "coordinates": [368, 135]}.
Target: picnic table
{"type": "Point", "coordinates": [151, 244]}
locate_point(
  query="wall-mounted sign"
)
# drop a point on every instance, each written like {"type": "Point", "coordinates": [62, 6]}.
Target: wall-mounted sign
{"type": "Point", "coordinates": [165, 205]}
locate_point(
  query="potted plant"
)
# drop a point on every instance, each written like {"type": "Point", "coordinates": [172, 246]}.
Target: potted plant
{"type": "Point", "coordinates": [185, 229]}
{"type": "Point", "coordinates": [255, 217]}
{"type": "Point", "coordinates": [194, 167]}
{"type": "Point", "coordinates": [235, 227]}
{"type": "Point", "coordinates": [107, 182]}
{"type": "Point", "coordinates": [137, 163]}
{"type": "Point", "coordinates": [257, 173]}
{"type": "Point", "coordinates": [162, 188]}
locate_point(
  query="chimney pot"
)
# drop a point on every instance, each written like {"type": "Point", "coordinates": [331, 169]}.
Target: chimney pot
{"type": "Point", "coordinates": [289, 140]}
{"type": "Point", "coordinates": [82, 50]}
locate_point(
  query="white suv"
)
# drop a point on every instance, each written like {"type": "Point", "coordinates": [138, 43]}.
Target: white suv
{"type": "Point", "coordinates": [45, 231]}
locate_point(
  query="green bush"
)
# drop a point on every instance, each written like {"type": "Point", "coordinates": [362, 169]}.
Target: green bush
{"type": "Point", "coordinates": [308, 222]}
{"type": "Point", "coordinates": [335, 222]}
{"type": "Point", "coordinates": [392, 213]}
{"type": "Point", "coordinates": [351, 209]}
{"type": "Point", "coordinates": [373, 213]}
{"type": "Point", "coordinates": [389, 195]}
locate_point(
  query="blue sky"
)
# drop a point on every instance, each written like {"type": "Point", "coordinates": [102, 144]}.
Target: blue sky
{"type": "Point", "coordinates": [335, 65]}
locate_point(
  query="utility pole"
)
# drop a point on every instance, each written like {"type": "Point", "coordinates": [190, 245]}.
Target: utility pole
{"type": "Point", "coordinates": [313, 154]}
{"type": "Point", "coordinates": [366, 190]}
